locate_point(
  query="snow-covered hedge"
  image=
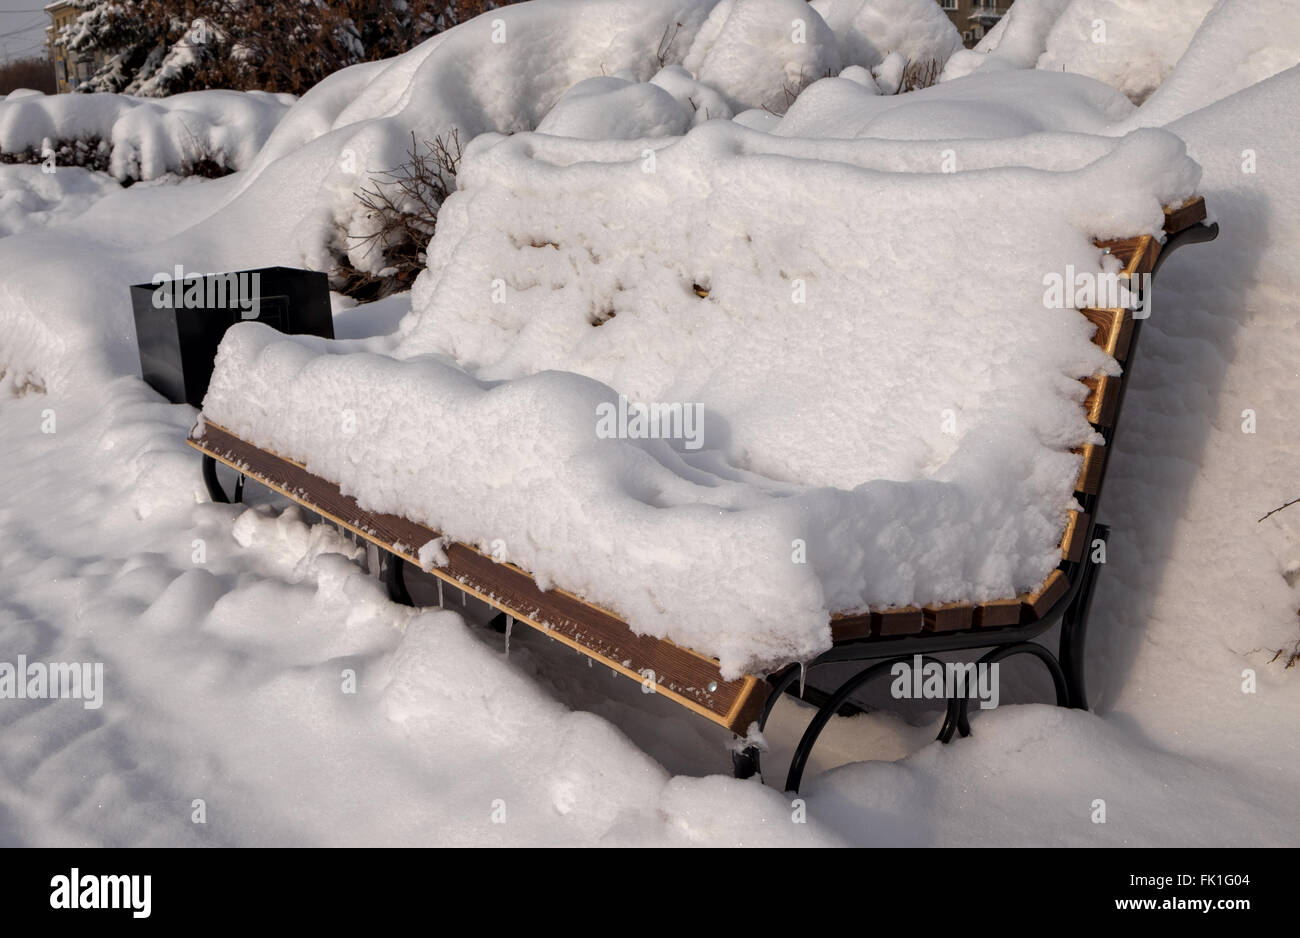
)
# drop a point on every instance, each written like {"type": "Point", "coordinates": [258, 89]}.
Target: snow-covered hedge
{"type": "Point", "coordinates": [138, 139]}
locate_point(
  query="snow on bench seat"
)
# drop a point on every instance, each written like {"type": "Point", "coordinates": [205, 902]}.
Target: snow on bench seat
{"type": "Point", "coordinates": [694, 680]}
{"type": "Point", "coordinates": [893, 416]}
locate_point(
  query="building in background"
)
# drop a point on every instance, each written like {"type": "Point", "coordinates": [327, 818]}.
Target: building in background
{"type": "Point", "coordinates": [70, 69]}
{"type": "Point", "coordinates": [974, 18]}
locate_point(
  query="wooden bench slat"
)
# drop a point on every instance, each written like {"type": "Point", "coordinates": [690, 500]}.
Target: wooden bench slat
{"type": "Point", "coordinates": [1076, 531]}
{"type": "Point", "coordinates": [1103, 400]}
{"type": "Point", "coordinates": [948, 617]}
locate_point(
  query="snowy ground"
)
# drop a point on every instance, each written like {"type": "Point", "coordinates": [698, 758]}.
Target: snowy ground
{"type": "Point", "coordinates": [231, 636]}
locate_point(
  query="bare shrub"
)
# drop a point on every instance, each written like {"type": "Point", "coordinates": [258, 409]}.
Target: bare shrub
{"type": "Point", "coordinates": [402, 213]}
{"type": "Point", "coordinates": [36, 73]}
{"type": "Point", "coordinates": [920, 74]}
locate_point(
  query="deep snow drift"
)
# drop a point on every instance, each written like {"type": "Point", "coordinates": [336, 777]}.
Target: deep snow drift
{"type": "Point", "coordinates": [226, 632]}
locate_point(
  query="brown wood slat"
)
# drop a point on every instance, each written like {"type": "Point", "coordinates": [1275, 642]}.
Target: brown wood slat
{"type": "Point", "coordinates": [1076, 530]}
{"type": "Point", "coordinates": [899, 620]}
{"type": "Point", "coordinates": [1114, 330]}
{"type": "Point", "coordinates": [1102, 401]}
{"type": "Point", "coordinates": [1094, 464]}
{"type": "Point", "coordinates": [848, 628]}
{"type": "Point", "coordinates": [680, 674]}
{"type": "Point", "coordinates": [948, 617]}
{"type": "Point", "coordinates": [1000, 612]}
{"type": "Point", "coordinates": [1037, 603]}
{"type": "Point", "coordinates": [1191, 212]}
{"type": "Point", "coordinates": [1138, 255]}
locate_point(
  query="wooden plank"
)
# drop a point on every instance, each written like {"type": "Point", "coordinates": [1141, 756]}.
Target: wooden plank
{"type": "Point", "coordinates": [1137, 255]}
{"type": "Point", "coordinates": [1103, 400]}
{"type": "Point", "coordinates": [1127, 250]}
{"type": "Point", "coordinates": [1114, 330]}
{"type": "Point", "coordinates": [997, 613]}
{"type": "Point", "coordinates": [898, 620]}
{"type": "Point", "coordinates": [681, 675]}
{"type": "Point", "coordinates": [1037, 603]}
{"type": "Point", "coordinates": [1191, 212]}
{"type": "Point", "coordinates": [948, 617]}
{"type": "Point", "coordinates": [1094, 464]}
{"type": "Point", "coordinates": [1076, 531]}
{"type": "Point", "coordinates": [851, 627]}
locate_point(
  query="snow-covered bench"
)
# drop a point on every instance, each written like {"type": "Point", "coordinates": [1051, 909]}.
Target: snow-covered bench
{"type": "Point", "coordinates": [884, 636]}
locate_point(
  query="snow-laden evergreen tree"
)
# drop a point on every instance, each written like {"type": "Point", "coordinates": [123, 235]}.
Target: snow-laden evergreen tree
{"type": "Point", "coordinates": [160, 47]}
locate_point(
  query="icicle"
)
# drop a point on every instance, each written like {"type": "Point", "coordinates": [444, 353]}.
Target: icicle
{"type": "Point", "coordinates": [439, 592]}
{"type": "Point", "coordinates": [463, 597]}
{"type": "Point", "coordinates": [803, 673]}
{"type": "Point", "coordinates": [510, 623]}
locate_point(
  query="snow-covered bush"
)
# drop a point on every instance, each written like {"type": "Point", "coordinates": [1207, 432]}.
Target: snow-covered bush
{"type": "Point", "coordinates": [160, 47]}
{"type": "Point", "coordinates": [762, 53]}
{"type": "Point", "coordinates": [1240, 43]}
{"type": "Point", "coordinates": [203, 132]}
{"type": "Point", "coordinates": [1131, 45]}
{"type": "Point", "coordinates": [870, 30]}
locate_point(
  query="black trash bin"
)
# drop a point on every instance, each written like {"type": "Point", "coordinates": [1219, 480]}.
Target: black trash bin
{"type": "Point", "coordinates": [180, 319]}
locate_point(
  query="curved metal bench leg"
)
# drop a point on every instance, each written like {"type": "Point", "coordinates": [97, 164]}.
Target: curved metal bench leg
{"type": "Point", "coordinates": [395, 580]}
{"type": "Point", "coordinates": [745, 763]}
{"type": "Point", "coordinates": [213, 484]}
{"type": "Point", "coordinates": [215, 491]}
{"type": "Point", "coordinates": [952, 721]}
{"type": "Point", "coordinates": [1020, 648]}
{"type": "Point", "coordinates": [823, 715]}
{"type": "Point", "coordinates": [1074, 626]}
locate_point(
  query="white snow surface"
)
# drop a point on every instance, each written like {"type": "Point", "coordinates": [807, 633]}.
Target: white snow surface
{"type": "Point", "coordinates": [32, 198]}
{"type": "Point", "coordinates": [225, 631]}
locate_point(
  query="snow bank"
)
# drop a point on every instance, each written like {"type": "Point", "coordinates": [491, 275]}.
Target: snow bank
{"type": "Point", "coordinates": [762, 53]}
{"type": "Point", "coordinates": [938, 471]}
{"type": "Point", "coordinates": [32, 198]}
{"type": "Point", "coordinates": [147, 137]}
{"type": "Point", "coordinates": [1018, 40]}
{"type": "Point", "coordinates": [1131, 45]}
{"type": "Point", "coordinates": [501, 72]}
{"type": "Point", "coordinates": [1010, 104]}
{"type": "Point", "coordinates": [869, 30]}
{"type": "Point", "coordinates": [1240, 43]}
{"type": "Point", "coordinates": [617, 109]}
